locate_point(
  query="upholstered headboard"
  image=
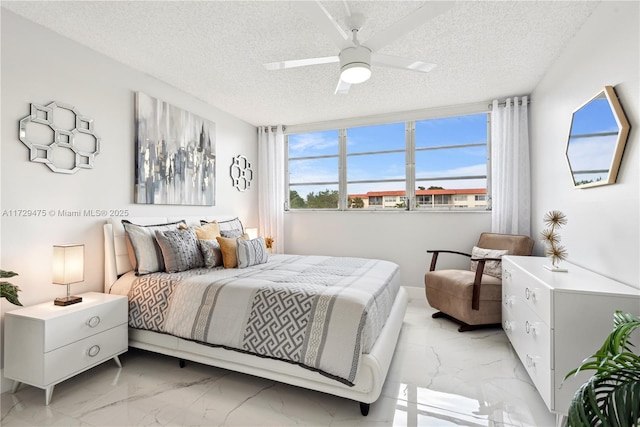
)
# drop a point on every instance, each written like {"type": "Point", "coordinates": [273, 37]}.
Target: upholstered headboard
{"type": "Point", "coordinates": [116, 253]}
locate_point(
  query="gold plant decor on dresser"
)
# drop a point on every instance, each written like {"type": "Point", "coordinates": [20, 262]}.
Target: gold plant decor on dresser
{"type": "Point", "coordinates": [554, 220]}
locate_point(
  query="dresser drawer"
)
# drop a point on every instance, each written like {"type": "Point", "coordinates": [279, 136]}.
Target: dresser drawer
{"type": "Point", "coordinates": [76, 357]}
{"type": "Point", "coordinates": [63, 330]}
{"type": "Point", "coordinates": [535, 294]}
{"type": "Point", "coordinates": [531, 338]}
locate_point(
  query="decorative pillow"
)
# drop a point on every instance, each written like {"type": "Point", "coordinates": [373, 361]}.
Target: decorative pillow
{"type": "Point", "coordinates": [492, 268]}
{"type": "Point", "coordinates": [147, 255]}
{"type": "Point", "coordinates": [180, 249]}
{"type": "Point", "coordinates": [251, 252]}
{"type": "Point", "coordinates": [228, 247]}
{"type": "Point", "coordinates": [230, 228]}
{"type": "Point", "coordinates": [231, 233]}
{"type": "Point", "coordinates": [211, 253]}
{"type": "Point", "coordinates": [208, 231]}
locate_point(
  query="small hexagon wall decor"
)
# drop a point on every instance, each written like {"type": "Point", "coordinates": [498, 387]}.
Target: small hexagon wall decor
{"type": "Point", "coordinates": [241, 173]}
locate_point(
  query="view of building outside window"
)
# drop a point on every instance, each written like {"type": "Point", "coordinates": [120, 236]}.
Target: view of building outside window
{"type": "Point", "coordinates": [448, 155]}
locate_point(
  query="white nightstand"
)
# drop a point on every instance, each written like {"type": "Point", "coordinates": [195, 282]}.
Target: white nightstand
{"type": "Point", "coordinates": [46, 344]}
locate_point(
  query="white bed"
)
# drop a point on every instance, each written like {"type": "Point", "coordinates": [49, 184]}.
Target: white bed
{"type": "Point", "coordinates": [372, 368]}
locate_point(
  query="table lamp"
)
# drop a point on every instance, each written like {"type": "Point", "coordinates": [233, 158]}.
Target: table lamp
{"type": "Point", "coordinates": [68, 267]}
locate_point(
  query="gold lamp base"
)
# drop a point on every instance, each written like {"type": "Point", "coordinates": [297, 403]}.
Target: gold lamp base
{"type": "Point", "coordinates": [67, 300]}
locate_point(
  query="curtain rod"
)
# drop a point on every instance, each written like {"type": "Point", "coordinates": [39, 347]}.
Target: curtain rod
{"type": "Point", "coordinates": [272, 128]}
{"type": "Point", "coordinates": [504, 102]}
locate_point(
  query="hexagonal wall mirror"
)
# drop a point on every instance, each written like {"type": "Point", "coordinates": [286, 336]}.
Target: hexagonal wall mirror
{"type": "Point", "coordinates": [60, 137]}
{"type": "Point", "coordinates": [599, 130]}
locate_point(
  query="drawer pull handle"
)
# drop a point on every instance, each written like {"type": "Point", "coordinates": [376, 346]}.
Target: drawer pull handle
{"type": "Point", "coordinates": [507, 274]}
{"type": "Point", "coordinates": [530, 328]}
{"type": "Point", "coordinates": [530, 294]}
{"type": "Point", "coordinates": [531, 361]}
{"type": "Point", "coordinates": [94, 321]}
{"type": "Point", "coordinates": [508, 301]}
{"type": "Point", "coordinates": [93, 350]}
{"type": "Point", "coordinates": [508, 326]}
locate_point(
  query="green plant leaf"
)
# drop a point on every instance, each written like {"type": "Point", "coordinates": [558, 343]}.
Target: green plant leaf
{"type": "Point", "coordinates": [10, 292]}
{"type": "Point", "coordinates": [6, 274]}
{"type": "Point", "coordinates": [611, 397]}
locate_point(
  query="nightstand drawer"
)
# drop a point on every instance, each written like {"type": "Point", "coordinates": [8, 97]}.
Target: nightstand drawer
{"type": "Point", "coordinates": [74, 358]}
{"type": "Point", "coordinates": [63, 330]}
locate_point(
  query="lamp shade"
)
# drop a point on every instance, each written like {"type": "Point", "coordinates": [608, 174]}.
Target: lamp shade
{"type": "Point", "coordinates": [251, 232]}
{"type": "Point", "coordinates": [68, 264]}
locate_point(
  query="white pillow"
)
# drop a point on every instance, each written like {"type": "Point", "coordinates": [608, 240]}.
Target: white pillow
{"type": "Point", "coordinates": [251, 252]}
{"type": "Point", "coordinates": [492, 268]}
{"type": "Point", "coordinates": [147, 253]}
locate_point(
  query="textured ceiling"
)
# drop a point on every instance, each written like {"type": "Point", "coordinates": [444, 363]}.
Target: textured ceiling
{"type": "Point", "coordinates": [214, 50]}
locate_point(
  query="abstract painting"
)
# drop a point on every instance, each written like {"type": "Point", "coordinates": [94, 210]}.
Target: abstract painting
{"type": "Point", "coordinates": [175, 155]}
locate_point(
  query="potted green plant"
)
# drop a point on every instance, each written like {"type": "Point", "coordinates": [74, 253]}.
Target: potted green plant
{"type": "Point", "coordinates": [8, 290]}
{"type": "Point", "coordinates": [611, 397]}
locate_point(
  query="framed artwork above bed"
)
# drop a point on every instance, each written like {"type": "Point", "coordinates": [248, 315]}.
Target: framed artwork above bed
{"type": "Point", "coordinates": [175, 161]}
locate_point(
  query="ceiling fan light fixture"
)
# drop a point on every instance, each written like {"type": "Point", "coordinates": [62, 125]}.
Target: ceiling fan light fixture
{"type": "Point", "coordinates": [355, 64]}
{"type": "Point", "coordinates": [356, 72]}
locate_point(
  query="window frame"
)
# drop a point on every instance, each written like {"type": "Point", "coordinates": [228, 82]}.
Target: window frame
{"type": "Point", "coordinates": [410, 154]}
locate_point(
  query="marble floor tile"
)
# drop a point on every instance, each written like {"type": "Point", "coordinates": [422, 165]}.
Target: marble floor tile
{"type": "Point", "coordinates": [438, 377]}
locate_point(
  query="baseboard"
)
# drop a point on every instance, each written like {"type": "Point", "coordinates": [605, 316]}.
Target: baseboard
{"type": "Point", "coordinates": [415, 292]}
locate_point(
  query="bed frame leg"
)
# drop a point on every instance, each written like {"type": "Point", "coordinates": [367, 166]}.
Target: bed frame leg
{"type": "Point", "coordinates": [183, 363]}
{"type": "Point", "coordinates": [364, 408]}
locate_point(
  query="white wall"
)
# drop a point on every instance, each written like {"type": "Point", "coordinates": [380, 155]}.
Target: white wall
{"type": "Point", "coordinates": [603, 229]}
{"type": "Point", "coordinates": [401, 237]}
{"type": "Point", "coordinates": [39, 66]}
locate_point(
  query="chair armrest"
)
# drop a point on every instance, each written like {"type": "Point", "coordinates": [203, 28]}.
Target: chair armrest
{"type": "Point", "coordinates": [434, 257]}
{"type": "Point", "coordinates": [477, 281]}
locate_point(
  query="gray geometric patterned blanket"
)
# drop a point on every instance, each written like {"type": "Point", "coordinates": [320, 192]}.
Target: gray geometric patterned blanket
{"type": "Point", "coordinates": [318, 312]}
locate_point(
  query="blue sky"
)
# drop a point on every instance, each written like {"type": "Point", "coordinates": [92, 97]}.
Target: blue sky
{"type": "Point", "coordinates": [429, 133]}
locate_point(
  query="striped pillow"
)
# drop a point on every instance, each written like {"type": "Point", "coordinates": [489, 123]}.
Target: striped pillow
{"type": "Point", "coordinates": [251, 252]}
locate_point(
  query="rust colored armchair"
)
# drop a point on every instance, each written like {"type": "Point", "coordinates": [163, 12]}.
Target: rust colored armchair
{"type": "Point", "coordinates": [473, 297]}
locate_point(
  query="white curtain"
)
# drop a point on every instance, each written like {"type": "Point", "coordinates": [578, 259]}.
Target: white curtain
{"type": "Point", "coordinates": [271, 184]}
{"type": "Point", "coordinates": [510, 170]}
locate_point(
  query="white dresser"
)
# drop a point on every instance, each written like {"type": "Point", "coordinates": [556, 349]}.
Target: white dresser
{"type": "Point", "coordinates": [46, 344]}
{"type": "Point", "coordinates": [555, 320]}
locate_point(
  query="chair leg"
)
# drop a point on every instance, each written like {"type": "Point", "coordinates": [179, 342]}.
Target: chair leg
{"type": "Point", "coordinates": [464, 327]}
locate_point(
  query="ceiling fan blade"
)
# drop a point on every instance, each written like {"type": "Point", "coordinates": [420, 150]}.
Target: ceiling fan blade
{"type": "Point", "coordinates": [294, 63]}
{"type": "Point", "coordinates": [342, 88]}
{"type": "Point", "coordinates": [324, 21]}
{"type": "Point", "coordinates": [408, 23]}
{"type": "Point", "coordinates": [401, 63]}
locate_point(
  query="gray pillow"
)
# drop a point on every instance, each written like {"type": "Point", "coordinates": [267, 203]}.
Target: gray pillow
{"type": "Point", "coordinates": [251, 252]}
{"type": "Point", "coordinates": [180, 249]}
{"type": "Point", "coordinates": [211, 253]}
{"type": "Point", "coordinates": [147, 254]}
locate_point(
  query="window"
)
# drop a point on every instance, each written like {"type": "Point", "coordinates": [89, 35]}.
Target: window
{"type": "Point", "coordinates": [451, 155]}
{"type": "Point", "coordinates": [313, 170]}
{"type": "Point", "coordinates": [438, 163]}
{"type": "Point", "coordinates": [376, 162]}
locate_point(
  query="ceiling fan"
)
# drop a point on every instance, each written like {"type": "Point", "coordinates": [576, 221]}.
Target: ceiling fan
{"type": "Point", "coordinates": [356, 58]}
